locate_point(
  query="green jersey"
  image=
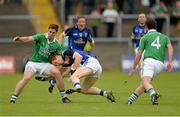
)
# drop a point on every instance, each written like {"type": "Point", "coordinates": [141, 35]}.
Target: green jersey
{"type": "Point", "coordinates": [43, 48]}
{"type": "Point", "coordinates": [154, 44]}
{"type": "Point", "coordinates": [64, 43]}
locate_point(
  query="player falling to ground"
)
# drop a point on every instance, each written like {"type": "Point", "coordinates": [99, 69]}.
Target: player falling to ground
{"type": "Point", "coordinates": [137, 33]}
{"type": "Point", "coordinates": [45, 44]}
{"type": "Point", "coordinates": [86, 66]}
{"type": "Point", "coordinates": [79, 37]}
{"type": "Point", "coordinates": [155, 44]}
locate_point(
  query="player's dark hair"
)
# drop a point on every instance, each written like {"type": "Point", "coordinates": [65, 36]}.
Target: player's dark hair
{"type": "Point", "coordinates": [151, 23]}
{"type": "Point", "coordinates": [54, 26]}
{"type": "Point", "coordinates": [52, 56]}
{"type": "Point", "coordinates": [142, 13]}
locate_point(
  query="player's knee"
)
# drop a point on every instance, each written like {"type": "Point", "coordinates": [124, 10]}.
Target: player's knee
{"type": "Point", "coordinates": [145, 83]}
{"type": "Point", "coordinates": [75, 76]}
{"type": "Point", "coordinates": [26, 80]}
{"type": "Point", "coordinates": [55, 72]}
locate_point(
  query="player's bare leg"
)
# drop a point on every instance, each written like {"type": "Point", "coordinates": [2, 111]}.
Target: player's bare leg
{"type": "Point", "coordinates": [140, 70]}
{"type": "Point", "coordinates": [79, 73]}
{"type": "Point", "coordinates": [60, 84]}
{"type": "Point", "coordinates": [146, 82]}
{"type": "Point", "coordinates": [20, 86]}
{"type": "Point", "coordinates": [87, 88]}
{"type": "Point", "coordinates": [65, 72]}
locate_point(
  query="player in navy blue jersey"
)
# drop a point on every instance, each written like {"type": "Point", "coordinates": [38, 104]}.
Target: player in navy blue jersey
{"type": "Point", "coordinates": [138, 30]}
{"type": "Point", "coordinates": [79, 35]}
{"type": "Point", "coordinates": [137, 33]}
{"type": "Point", "coordinates": [83, 65]}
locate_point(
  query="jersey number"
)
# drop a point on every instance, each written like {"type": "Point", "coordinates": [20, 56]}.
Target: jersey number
{"type": "Point", "coordinates": [156, 43]}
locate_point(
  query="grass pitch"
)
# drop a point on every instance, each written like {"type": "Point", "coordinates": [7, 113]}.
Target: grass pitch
{"type": "Point", "coordinates": [36, 100]}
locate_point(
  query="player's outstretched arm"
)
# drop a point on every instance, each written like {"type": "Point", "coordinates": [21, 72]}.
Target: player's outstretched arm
{"type": "Point", "coordinates": [170, 55]}
{"type": "Point", "coordinates": [136, 61]}
{"type": "Point", "coordinates": [23, 39]}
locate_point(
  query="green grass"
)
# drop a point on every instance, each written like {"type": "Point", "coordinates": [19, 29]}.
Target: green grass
{"type": "Point", "coordinates": [35, 99]}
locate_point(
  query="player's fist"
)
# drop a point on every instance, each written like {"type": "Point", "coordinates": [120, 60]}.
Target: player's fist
{"type": "Point", "coordinates": [169, 66]}
{"type": "Point", "coordinates": [16, 38]}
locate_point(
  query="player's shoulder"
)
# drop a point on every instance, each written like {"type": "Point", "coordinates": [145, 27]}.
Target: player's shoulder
{"type": "Point", "coordinates": [87, 29]}
{"type": "Point", "coordinates": [145, 36]}
{"type": "Point", "coordinates": [164, 37]}
{"type": "Point", "coordinates": [136, 26]}
{"type": "Point", "coordinates": [39, 36]}
{"type": "Point", "coordinates": [70, 29]}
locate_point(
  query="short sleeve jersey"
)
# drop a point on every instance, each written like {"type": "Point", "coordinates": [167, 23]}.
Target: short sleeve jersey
{"type": "Point", "coordinates": [77, 39]}
{"type": "Point", "coordinates": [155, 44]}
{"type": "Point", "coordinates": [70, 54]}
{"type": "Point", "coordinates": [138, 31]}
{"type": "Point", "coordinates": [43, 48]}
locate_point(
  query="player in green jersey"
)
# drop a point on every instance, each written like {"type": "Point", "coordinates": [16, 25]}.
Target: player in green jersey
{"type": "Point", "coordinates": [45, 44]}
{"type": "Point", "coordinates": [155, 44]}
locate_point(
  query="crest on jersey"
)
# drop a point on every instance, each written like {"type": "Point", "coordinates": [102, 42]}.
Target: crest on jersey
{"type": "Point", "coordinates": [75, 34]}
{"type": "Point", "coordinates": [80, 34]}
{"type": "Point", "coordinates": [85, 34]}
{"type": "Point", "coordinates": [79, 41]}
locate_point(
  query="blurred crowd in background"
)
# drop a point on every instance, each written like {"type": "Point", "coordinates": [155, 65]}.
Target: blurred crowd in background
{"type": "Point", "coordinates": [117, 7]}
{"type": "Point", "coordinates": [106, 23]}
{"type": "Point", "coordinates": [111, 9]}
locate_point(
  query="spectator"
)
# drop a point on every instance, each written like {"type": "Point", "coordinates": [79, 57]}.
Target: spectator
{"type": "Point", "coordinates": [3, 2]}
{"type": "Point", "coordinates": [175, 16]}
{"type": "Point", "coordinates": [160, 10]}
{"type": "Point", "coordinates": [88, 6]}
{"type": "Point", "coordinates": [120, 4]}
{"type": "Point", "coordinates": [95, 22]}
{"type": "Point", "coordinates": [110, 17]}
{"type": "Point", "coordinates": [130, 6]}
{"type": "Point", "coordinates": [168, 3]}
{"type": "Point", "coordinates": [152, 3]}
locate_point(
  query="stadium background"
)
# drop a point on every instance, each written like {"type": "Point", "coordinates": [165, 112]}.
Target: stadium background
{"type": "Point", "coordinates": [28, 17]}
{"type": "Point", "coordinates": [18, 17]}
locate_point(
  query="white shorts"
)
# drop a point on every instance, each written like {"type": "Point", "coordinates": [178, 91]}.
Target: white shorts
{"type": "Point", "coordinates": [36, 67]}
{"type": "Point", "coordinates": [152, 67]}
{"type": "Point", "coordinates": [94, 65]}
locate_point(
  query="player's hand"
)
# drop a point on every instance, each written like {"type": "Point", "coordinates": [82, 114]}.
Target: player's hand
{"type": "Point", "coordinates": [131, 73]}
{"type": "Point", "coordinates": [16, 38]}
{"type": "Point", "coordinates": [169, 66]}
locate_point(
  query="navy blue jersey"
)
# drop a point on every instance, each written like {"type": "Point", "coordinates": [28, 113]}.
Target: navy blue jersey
{"type": "Point", "coordinates": [138, 32]}
{"type": "Point", "coordinates": [77, 39]}
{"type": "Point", "coordinates": [68, 56]}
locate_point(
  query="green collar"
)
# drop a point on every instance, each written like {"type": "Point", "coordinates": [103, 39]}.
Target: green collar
{"type": "Point", "coordinates": [46, 36]}
{"type": "Point", "coordinates": [151, 30]}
